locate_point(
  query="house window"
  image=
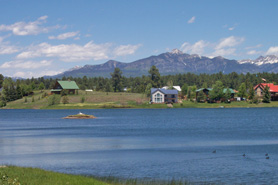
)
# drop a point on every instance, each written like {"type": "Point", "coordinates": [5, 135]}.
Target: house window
{"type": "Point", "coordinates": [158, 98]}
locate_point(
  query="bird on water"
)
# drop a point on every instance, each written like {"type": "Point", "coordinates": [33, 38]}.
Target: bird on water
{"type": "Point", "coordinates": [214, 151]}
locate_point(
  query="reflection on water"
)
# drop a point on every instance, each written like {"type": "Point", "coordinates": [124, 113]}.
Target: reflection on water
{"type": "Point", "coordinates": [166, 144]}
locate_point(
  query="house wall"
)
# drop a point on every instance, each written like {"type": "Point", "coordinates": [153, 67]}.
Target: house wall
{"type": "Point", "coordinates": [259, 91]}
{"type": "Point", "coordinates": [154, 94]}
{"type": "Point", "coordinates": [171, 98]}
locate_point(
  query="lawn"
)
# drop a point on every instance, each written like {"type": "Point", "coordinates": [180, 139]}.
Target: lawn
{"type": "Point", "coordinates": [100, 100]}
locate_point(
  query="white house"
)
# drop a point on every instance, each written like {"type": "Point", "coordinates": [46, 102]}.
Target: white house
{"type": "Point", "coordinates": [164, 96]}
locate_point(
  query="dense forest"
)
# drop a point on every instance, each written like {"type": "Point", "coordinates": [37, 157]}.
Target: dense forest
{"type": "Point", "coordinates": [12, 90]}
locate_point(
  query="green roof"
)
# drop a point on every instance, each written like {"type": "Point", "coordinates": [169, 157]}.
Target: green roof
{"type": "Point", "coordinates": [209, 89]}
{"type": "Point", "coordinates": [231, 90]}
{"type": "Point", "coordinates": [68, 84]}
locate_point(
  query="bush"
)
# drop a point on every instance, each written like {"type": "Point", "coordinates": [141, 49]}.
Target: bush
{"type": "Point", "coordinates": [65, 100]}
{"type": "Point", "coordinates": [54, 100]}
{"type": "Point", "coordinates": [82, 99]}
{"type": "Point", "coordinates": [3, 103]}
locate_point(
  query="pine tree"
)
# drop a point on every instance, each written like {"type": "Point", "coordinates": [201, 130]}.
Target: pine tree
{"type": "Point", "coordinates": [155, 77]}
{"type": "Point", "coordinates": [117, 80]}
{"type": "Point", "coordinates": [267, 97]}
{"type": "Point", "coordinates": [251, 93]}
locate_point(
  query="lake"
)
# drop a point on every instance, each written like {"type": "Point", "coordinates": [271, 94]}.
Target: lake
{"type": "Point", "coordinates": [147, 143]}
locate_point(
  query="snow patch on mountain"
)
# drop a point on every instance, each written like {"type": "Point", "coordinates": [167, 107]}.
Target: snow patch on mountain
{"type": "Point", "coordinates": [269, 59]}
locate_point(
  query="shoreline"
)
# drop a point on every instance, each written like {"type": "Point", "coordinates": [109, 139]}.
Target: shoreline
{"type": "Point", "coordinates": [33, 176]}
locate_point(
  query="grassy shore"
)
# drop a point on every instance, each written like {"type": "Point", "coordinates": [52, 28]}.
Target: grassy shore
{"type": "Point", "coordinates": [103, 100]}
{"type": "Point", "coordinates": [33, 176]}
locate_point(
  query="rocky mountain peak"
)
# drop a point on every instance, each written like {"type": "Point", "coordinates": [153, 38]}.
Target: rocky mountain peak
{"type": "Point", "coordinates": [176, 51]}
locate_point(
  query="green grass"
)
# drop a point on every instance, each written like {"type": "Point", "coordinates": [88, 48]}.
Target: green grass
{"type": "Point", "coordinates": [35, 176]}
{"type": "Point", "coordinates": [103, 100]}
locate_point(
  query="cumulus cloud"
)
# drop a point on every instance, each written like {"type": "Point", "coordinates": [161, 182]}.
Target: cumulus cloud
{"type": "Point", "coordinates": [64, 35]}
{"type": "Point", "coordinates": [27, 28]}
{"type": "Point", "coordinates": [253, 52]}
{"type": "Point", "coordinates": [272, 51]}
{"type": "Point", "coordinates": [192, 20]}
{"type": "Point", "coordinates": [35, 74]}
{"type": "Point", "coordinates": [25, 64]}
{"type": "Point", "coordinates": [6, 48]}
{"type": "Point", "coordinates": [123, 50]}
{"type": "Point", "coordinates": [74, 52]}
{"type": "Point", "coordinates": [229, 42]}
{"type": "Point", "coordinates": [226, 46]}
{"type": "Point", "coordinates": [196, 48]}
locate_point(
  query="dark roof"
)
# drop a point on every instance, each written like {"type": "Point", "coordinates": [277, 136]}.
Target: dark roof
{"type": "Point", "coordinates": [164, 91]}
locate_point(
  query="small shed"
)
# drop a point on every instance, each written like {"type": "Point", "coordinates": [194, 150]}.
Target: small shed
{"type": "Point", "coordinates": [70, 86]}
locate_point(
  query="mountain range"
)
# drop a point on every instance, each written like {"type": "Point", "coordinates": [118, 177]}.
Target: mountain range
{"type": "Point", "coordinates": [175, 62]}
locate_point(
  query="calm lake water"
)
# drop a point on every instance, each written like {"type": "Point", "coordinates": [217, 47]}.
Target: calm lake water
{"type": "Point", "coordinates": [156, 143]}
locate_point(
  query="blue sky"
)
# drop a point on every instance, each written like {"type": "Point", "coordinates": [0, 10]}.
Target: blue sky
{"type": "Point", "coordinates": [47, 37]}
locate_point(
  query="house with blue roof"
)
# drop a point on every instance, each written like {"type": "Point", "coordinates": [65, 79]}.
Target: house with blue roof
{"type": "Point", "coordinates": [164, 95]}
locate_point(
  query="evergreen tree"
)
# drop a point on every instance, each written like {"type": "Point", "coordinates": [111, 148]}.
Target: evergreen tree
{"type": "Point", "coordinates": [228, 95]}
{"type": "Point", "coordinates": [201, 97]}
{"type": "Point", "coordinates": [108, 87]}
{"type": "Point", "coordinates": [217, 91]}
{"type": "Point", "coordinates": [251, 93]}
{"type": "Point", "coordinates": [41, 86]}
{"type": "Point", "coordinates": [267, 97]}
{"type": "Point", "coordinates": [1, 80]}
{"type": "Point", "coordinates": [117, 80]}
{"type": "Point", "coordinates": [242, 90]}
{"type": "Point", "coordinates": [148, 90]}
{"type": "Point", "coordinates": [184, 90]}
{"type": "Point", "coordinates": [189, 97]}
{"type": "Point", "coordinates": [155, 77]}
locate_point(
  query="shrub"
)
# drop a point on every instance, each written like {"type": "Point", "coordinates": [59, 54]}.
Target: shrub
{"type": "Point", "coordinates": [65, 100]}
{"type": "Point", "coordinates": [3, 103]}
{"type": "Point", "coordinates": [82, 99]}
{"type": "Point", "coordinates": [33, 99]}
{"type": "Point", "coordinates": [54, 100]}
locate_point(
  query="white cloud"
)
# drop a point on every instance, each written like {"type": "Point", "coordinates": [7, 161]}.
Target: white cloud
{"type": "Point", "coordinates": [197, 48]}
{"type": "Point", "coordinates": [64, 35]}
{"type": "Point", "coordinates": [231, 28]}
{"type": "Point", "coordinates": [224, 52]}
{"type": "Point", "coordinates": [68, 53]}
{"type": "Point", "coordinates": [192, 20]}
{"type": "Point", "coordinates": [35, 74]}
{"type": "Point", "coordinates": [74, 52]}
{"type": "Point", "coordinates": [272, 51]}
{"type": "Point", "coordinates": [6, 48]}
{"type": "Point", "coordinates": [25, 64]}
{"type": "Point", "coordinates": [123, 50]}
{"type": "Point", "coordinates": [229, 42]}
{"type": "Point", "coordinates": [253, 52]}
{"type": "Point", "coordinates": [27, 28]}
{"type": "Point", "coordinates": [254, 47]}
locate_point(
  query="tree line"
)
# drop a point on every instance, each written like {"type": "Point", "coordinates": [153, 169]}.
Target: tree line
{"type": "Point", "coordinates": [12, 90]}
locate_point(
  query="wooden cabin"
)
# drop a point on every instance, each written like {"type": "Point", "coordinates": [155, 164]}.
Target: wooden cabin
{"type": "Point", "coordinates": [273, 89]}
{"type": "Point", "coordinates": [69, 86]}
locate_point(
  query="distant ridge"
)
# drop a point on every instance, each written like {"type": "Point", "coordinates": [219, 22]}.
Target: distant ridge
{"type": "Point", "coordinates": [175, 62]}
